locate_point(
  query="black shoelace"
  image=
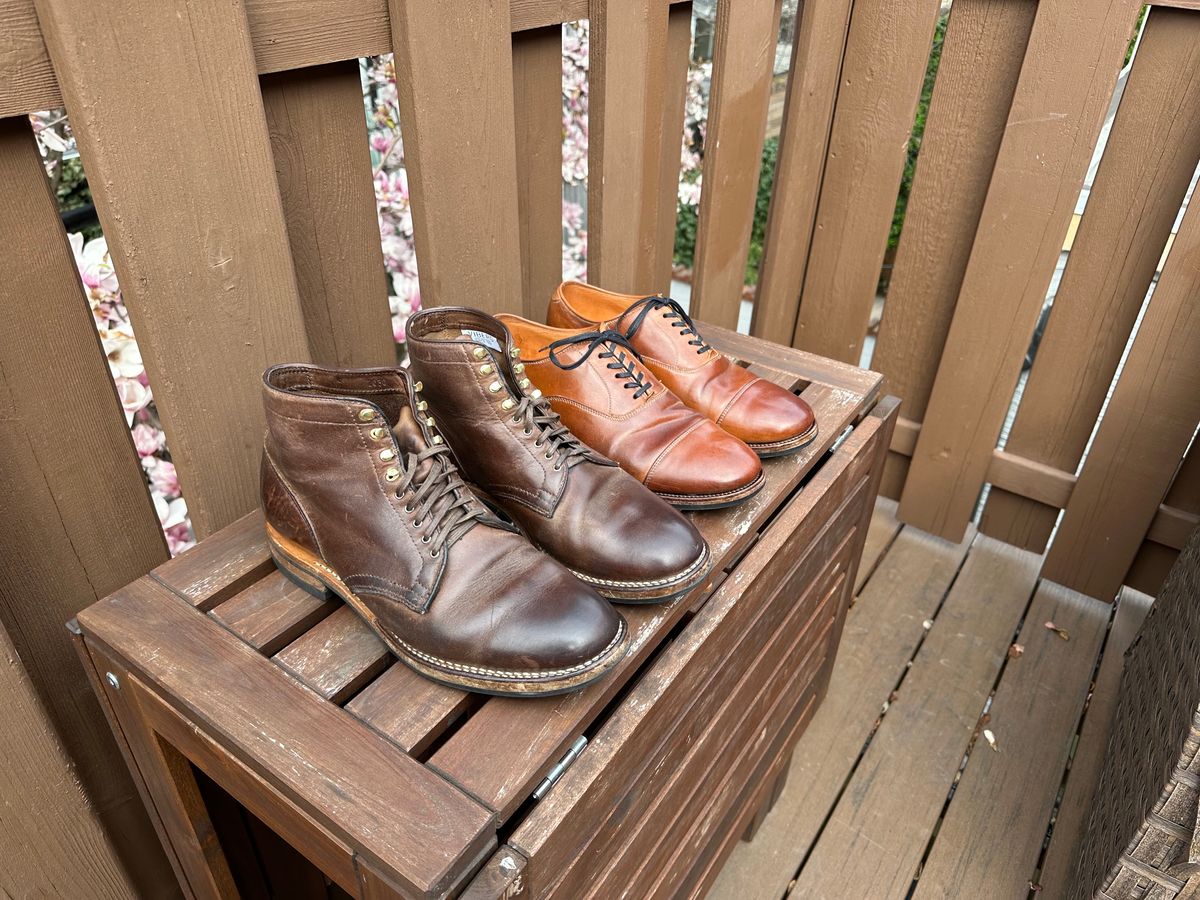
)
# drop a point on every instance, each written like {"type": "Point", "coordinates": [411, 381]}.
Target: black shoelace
{"type": "Point", "coordinates": [613, 345]}
{"type": "Point", "coordinates": [439, 496]}
{"type": "Point", "coordinates": [676, 313]}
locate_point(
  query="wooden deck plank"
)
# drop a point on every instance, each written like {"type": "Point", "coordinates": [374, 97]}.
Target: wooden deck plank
{"type": "Point", "coordinates": [272, 613]}
{"type": "Point", "coordinates": [1093, 741]}
{"type": "Point", "coordinates": [911, 762]}
{"type": "Point", "coordinates": [407, 708]}
{"type": "Point", "coordinates": [337, 657]}
{"type": "Point", "coordinates": [882, 631]}
{"type": "Point", "coordinates": [883, 530]}
{"type": "Point", "coordinates": [992, 834]}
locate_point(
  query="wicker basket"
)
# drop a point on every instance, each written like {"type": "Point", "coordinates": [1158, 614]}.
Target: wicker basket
{"type": "Point", "coordinates": [1142, 842]}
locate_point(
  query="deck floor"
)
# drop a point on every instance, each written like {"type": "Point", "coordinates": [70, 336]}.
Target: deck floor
{"type": "Point", "coordinates": [957, 749]}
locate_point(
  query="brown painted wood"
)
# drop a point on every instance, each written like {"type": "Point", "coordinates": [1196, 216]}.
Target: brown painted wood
{"type": "Point", "coordinates": [537, 101]}
{"type": "Point", "coordinates": [1170, 529]}
{"type": "Point", "coordinates": [678, 58]}
{"type": "Point", "coordinates": [886, 54]}
{"type": "Point", "coordinates": [323, 167]}
{"type": "Point", "coordinates": [77, 522]}
{"type": "Point", "coordinates": [1147, 167]}
{"type": "Point", "coordinates": [1148, 425]}
{"type": "Point", "coordinates": [992, 834]}
{"type": "Point", "coordinates": [337, 657]}
{"type": "Point", "coordinates": [743, 56]}
{"type": "Point", "coordinates": [981, 59]}
{"type": "Point", "coordinates": [27, 81]}
{"type": "Point", "coordinates": [882, 631]}
{"type": "Point", "coordinates": [351, 779]}
{"type": "Point", "coordinates": [1071, 817]}
{"type": "Point", "coordinates": [410, 710]}
{"type": "Point", "coordinates": [813, 84]}
{"type": "Point", "coordinates": [53, 839]}
{"type": "Point", "coordinates": [272, 613]}
{"type": "Point", "coordinates": [883, 529]}
{"type": "Point", "coordinates": [626, 81]}
{"type": "Point", "coordinates": [227, 252]}
{"type": "Point", "coordinates": [456, 113]}
{"type": "Point", "coordinates": [1059, 104]}
{"type": "Point", "coordinates": [499, 879]}
{"type": "Point", "coordinates": [861, 852]}
{"type": "Point", "coordinates": [233, 559]}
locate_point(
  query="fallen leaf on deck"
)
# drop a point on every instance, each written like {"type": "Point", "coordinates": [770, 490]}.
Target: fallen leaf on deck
{"type": "Point", "coordinates": [1061, 632]}
{"type": "Point", "coordinates": [991, 739]}
{"type": "Point", "coordinates": [1015, 650]}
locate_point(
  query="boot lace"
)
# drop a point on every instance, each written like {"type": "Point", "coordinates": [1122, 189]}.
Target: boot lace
{"type": "Point", "coordinates": [440, 496]}
{"type": "Point", "coordinates": [613, 347]}
{"type": "Point", "coordinates": [561, 445]}
{"type": "Point", "coordinates": [674, 312]}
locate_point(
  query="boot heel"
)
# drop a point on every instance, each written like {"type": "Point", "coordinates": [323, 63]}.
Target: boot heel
{"type": "Point", "coordinates": [302, 579]}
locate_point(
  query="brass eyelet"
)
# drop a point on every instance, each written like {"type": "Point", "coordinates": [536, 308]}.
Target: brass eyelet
{"type": "Point", "coordinates": [528, 431]}
{"type": "Point", "coordinates": [392, 474]}
{"type": "Point", "coordinates": [409, 509]}
{"type": "Point", "coordinates": [508, 403]}
{"type": "Point", "coordinates": [479, 352]}
{"type": "Point", "coordinates": [424, 539]}
{"type": "Point", "coordinates": [514, 352]}
{"type": "Point", "coordinates": [518, 368]}
{"type": "Point", "coordinates": [366, 415]}
{"type": "Point", "coordinates": [429, 421]}
{"type": "Point", "coordinates": [535, 393]}
{"type": "Point", "coordinates": [419, 386]}
{"type": "Point", "coordinates": [378, 434]}
{"type": "Point", "coordinates": [422, 406]}
{"type": "Point", "coordinates": [485, 369]}
{"type": "Point", "coordinates": [434, 553]}
{"type": "Point", "coordinates": [417, 523]}
{"type": "Point", "coordinates": [387, 455]}
{"type": "Point", "coordinates": [494, 387]}
{"type": "Point", "coordinates": [437, 438]}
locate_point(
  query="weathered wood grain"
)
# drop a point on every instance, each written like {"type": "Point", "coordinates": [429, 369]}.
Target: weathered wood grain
{"type": "Point", "coordinates": [1071, 818]}
{"type": "Point", "coordinates": [884, 529]}
{"type": "Point", "coordinates": [813, 83]}
{"type": "Point", "coordinates": [679, 56]}
{"type": "Point", "coordinates": [1072, 62]}
{"type": "Point", "coordinates": [537, 102]}
{"type": "Point", "coordinates": [992, 834]}
{"type": "Point", "coordinates": [77, 519]}
{"type": "Point", "coordinates": [456, 114]}
{"type": "Point", "coordinates": [861, 852]}
{"type": "Point", "coordinates": [233, 559]}
{"type": "Point", "coordinates": [226, 252]}
{"type": "Point", "coordinates": [981, 59]}
{"type": "Point", "coordinates": [743, 57]}
{"type": "Point", "coordinates": [887, 50]}
{"type": "Point", "coordinates": [323, 168]}
{"type": "Point", "coordinates": [272, 613]}
{"type": "Point", "coordinates": [1147, 166]}
{"type": "Point", "coordinates": [336, 657]}
{"type": "Point", "coordinates": [1149, 423]}
{"type": "Point", "coordinates": [410, 710]}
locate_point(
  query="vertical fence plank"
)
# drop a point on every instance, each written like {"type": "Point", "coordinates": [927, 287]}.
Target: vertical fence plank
{"type": "Point", "coordinates": [626, 77]}
{"type": "Point", "coordinates": [1145, 431]}
{"type": "Point", "coordinates": [537, 90]}
{"type": "Point", "coordinates": [187, 197]}
{"type": "Point", "coordinates": [1154, 560]}
{"type": "Point", "coordinates": [323, 166]}
{"type": "Point", "coordinates": [679, 54]}
{"type": "Point", "coordinates": [812, 92]}
{"type": "Point", "coordinates": [981, 59]}
{"type": "Point", "coordinates": [1071, 66]}
{"type": "Point", "coordinates": [456, 114]}
{"type": "Point", "coordinates": [77, 522]}
{"type": "Point", "coordinates": [743, 63]}
{"type": "Point", "coordinates": [1147, 166]}
{"type": "Point", "coordinates": [887, 52]}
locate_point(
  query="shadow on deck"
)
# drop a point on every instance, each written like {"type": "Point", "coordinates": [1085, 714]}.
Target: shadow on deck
{"type": "Point", "coordinates": [959, 744]}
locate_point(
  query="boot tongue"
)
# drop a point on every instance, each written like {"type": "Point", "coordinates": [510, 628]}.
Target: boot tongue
{"type": "Point", "coordinates": [411, 439]}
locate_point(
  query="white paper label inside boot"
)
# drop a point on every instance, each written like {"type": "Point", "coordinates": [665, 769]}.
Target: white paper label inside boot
{"type": "Point", "coordinates": [482, 337]}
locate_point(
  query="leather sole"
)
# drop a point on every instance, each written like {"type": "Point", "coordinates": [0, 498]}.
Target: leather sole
{"type": "Point", "coordinates": [312, 574]}
{"type": "Point", "coordinates": [646, 592]}
{"type": "Point", "coordinates": [698, 502]}
{"type": "Point", "coordinates": [783, 448]}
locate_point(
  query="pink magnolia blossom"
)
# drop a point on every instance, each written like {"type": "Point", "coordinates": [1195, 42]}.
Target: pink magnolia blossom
{"type": "Point", "coordinates": [147, 439]}
{"type": "Point", "coordinates": [164, 478]}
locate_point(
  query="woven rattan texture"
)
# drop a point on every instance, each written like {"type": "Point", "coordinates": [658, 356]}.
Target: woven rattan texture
{"type": "Point", "coordinates": [1143, 815]}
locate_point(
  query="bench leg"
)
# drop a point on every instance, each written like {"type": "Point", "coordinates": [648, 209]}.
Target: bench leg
{"type": "Point", "coordinates": [769, 803]}
{"type": "Point", "coordinates": [164, 777]}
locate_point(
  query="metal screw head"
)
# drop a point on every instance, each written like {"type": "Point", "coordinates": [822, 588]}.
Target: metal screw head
{"type": "Point", "coordinates": [112, 680]}
{"type": "Point", "coordinates": [508, 865]}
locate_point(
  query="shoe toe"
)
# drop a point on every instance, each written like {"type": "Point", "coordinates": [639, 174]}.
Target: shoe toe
{"type": "Point", "coordinates": [708, 461]}
{"type": "Point", "coordinates": [765, 413]}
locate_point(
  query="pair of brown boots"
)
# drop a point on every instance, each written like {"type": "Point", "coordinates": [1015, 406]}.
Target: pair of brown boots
{"type": "Point", "coordinates": [501, 586]}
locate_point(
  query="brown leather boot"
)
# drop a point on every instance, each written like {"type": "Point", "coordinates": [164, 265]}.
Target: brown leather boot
{"type": "Point", "coordinates": [363, 499]}
{"type": "Point", "coordinates": [575, 504]}
{"type": "Point", "coordinates": [604, 394]}
{"type": "Point", "coordinates": [771, 420]}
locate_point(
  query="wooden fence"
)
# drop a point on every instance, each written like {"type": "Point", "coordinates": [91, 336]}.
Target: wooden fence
{"type": "Point", "coordinates": [252, 111]}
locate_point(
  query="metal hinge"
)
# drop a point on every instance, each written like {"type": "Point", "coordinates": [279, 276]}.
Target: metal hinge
{"type": "Point", "coordinates": [841, 439]}
{"type": "Point", "coordinates": [561, 766]}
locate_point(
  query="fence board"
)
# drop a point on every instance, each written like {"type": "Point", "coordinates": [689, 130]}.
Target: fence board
{"type": "Point", "coordinates": [1070, 69]}
{"type": "Point", "coordinates": [323, 167]}
{"type": "Point", "coordinates": [456, 113]}
{"type": "Point", "coordinates": [626, 81]}
{"type": "Point", "coordinates": [1155, 557]}
{"type": "Point", "coordinates": [981, 59]}
{"type": "Point", "coordinates": [224, 250]}
{"type": "Point", "coordinates": [743, 59]}
{"type": "Point", "coordinates": [537, 94]}
{"type": "Point", "coordinates": [1147, 166]}
{"type": "Point", "coordinates": [679, 54]}
{"type": "Point", "coordinates": [803, 141]}
{"type": "Point", "coordinates": [77, 520]}
{"type": "Point", "coordinates": [887, 52]}
{"type": "Point", "coordinates": [1150, 421]}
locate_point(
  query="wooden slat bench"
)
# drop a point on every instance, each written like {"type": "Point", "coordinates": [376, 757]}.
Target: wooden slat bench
{"type": "Point", "coordinates": [392, 785]}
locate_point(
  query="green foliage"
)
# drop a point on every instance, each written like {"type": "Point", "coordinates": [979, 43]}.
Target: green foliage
{"type": "Point", "coordinates": [1137, 29]}
{"type": "Point", "coordinates": [687, 217]}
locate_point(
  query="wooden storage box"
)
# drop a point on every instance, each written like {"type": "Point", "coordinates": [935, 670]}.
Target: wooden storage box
{"type": "Point", "coordinates": [394, 786]}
